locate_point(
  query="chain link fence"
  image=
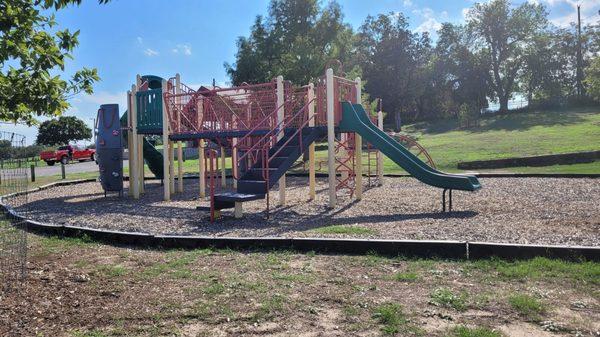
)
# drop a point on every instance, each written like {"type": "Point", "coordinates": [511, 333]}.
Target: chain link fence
{"type": "Point", "coordinates": [14, 167]}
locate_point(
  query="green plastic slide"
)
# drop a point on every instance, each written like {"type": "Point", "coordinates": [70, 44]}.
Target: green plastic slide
{"type": "Point", "coordinates": [152, 156]}
{"type": "Point", "coordinates": [355, 119]}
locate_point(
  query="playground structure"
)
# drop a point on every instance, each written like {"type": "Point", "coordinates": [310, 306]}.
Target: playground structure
{"type": "Point", "coordinates": [263, 129]}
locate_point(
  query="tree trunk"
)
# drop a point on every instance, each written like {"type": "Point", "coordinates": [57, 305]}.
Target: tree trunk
{"type": "Point", "coordinates": [398, 121]}
{"type": "Point", "coordinates": [503, 104]}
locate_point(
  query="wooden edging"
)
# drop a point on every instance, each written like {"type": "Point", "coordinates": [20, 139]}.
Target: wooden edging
{"type": "Point", "coordinates": [409, 248]}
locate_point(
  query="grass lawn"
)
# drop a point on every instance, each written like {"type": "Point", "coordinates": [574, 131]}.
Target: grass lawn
{"type": "Point", "coordinates": [77, 287]}
{"type": "Point", "coordinates": [43, 180]}
{"type": "Point", "coordinates": [512, 135]}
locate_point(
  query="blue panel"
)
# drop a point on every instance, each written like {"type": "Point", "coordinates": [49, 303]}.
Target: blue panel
{"type": "Point", "coordinates": [109, 128]}
{"type": "Point", "coordinates": [110, 164]}
{"type": "Point", "coordinates": [109, 147]}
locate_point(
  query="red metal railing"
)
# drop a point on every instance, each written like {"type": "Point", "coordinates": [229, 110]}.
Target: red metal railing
{"type": "Point", "coordinates": [220, 109]}
{"type": "Point", "coordinates": [321, 102]}
{"type": "Point", "coordinates": [298, 121]}
{"type": "Point", "coordinates": [410, 143]}
{"type": "Point", "coordinates": [343, 90]}
{"type": "Point", "coordinates": [268, 140]}
{"type": "Point", "coordinates": [295, 115]}
{"type": "Point", "coordinates": [303, 113]}
{"type": "Point", "coordinates": [345, 164]}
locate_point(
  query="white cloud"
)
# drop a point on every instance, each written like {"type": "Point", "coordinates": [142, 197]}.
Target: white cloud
{"type": "Point", "coordinates": [185, 49]}
{"type": "Point", "coordinates": [589, 11]}
{"type": "Point", "coordinates": [429, 19]}
{"type": "Point", "coordinates": [139, 40]}
{"type": "Point", "coordinates": [430, 25]}
{"type": "Point", "coordinates": [150, 52]}
{"type": "Point", "coordinates": [564, 21]}
{"type": "Point", "coordinates": [407, 3]}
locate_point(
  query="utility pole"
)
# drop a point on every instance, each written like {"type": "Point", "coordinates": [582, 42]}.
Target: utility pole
{"type": "Point", "coordinates": [580, 89]}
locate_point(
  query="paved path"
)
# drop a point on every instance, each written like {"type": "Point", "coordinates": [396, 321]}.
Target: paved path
{"type": "Point", "coordinates": [75, 167]}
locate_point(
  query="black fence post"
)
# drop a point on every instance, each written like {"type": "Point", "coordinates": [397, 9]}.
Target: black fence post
{"type": "Point", "coordinates": [62, 171]}
{"type": "Point", "coordinates": [32, 172]}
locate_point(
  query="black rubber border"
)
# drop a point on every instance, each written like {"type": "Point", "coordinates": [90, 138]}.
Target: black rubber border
{"type": "Point", "coordinates": [408, 248]}
{"type": "Point", "coordinates": [484, 250]}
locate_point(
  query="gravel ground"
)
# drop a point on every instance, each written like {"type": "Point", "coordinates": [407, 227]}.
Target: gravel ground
{"type": "Point", "coordinates": [513, 210]}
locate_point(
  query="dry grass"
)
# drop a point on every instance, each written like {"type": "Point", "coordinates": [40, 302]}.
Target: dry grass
{"type": "Point", "coordinates": [80, 288]}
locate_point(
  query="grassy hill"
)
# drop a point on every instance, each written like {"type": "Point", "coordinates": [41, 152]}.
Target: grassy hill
{"type": "Point", "coordinates": [513, 135]}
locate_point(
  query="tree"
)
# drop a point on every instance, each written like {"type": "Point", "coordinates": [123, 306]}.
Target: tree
{"type": "Point", "coordinates": [32, 53]}
{"type": "Point", "coordinates": [63, 130]}
{"type": "Point", "coordinates": [549, 73]}
{"type": "Point", "coordinates": [461, 70]}
{"type": "Point", "coordinates": [592, 79]}
{"type": "Point", "coordinates": [394, 61]}
{"type": "Point", "coordinates": [295, 40]}
{"type": "Point", "coordinates": [503, 34]}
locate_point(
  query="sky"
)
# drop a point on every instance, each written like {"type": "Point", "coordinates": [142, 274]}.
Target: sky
{"type": "Point", "coordinates": [196, 37]}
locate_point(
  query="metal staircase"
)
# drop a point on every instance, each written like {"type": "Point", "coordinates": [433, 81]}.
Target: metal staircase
{"type": "Point", "coordinates": [269, 166]}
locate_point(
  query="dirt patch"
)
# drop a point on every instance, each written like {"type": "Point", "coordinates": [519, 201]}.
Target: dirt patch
{"type": "Point", "coordinates": [522, 329]}
{"type": "Point", "coordinates": [524, 210]}
{"type": "Point", "coordinates": [86, 289]}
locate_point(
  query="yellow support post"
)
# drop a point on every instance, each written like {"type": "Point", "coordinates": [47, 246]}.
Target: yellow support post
{"type": "Point", "coordinates": [280, 117]}
{"type": "Point", "coordinates": [358, 148]}
{"type": "Point", "coordinates": [330, 138]}
{"type": "Point", "coordinates": [172, 167]}
{"type": "Point", "coordinates": [130, 162]}
{"type": "Point", "coordinates": [140, 163]}
{"type": "Point", "coordinates": [311, 149]}
{"type": "Point", "coordinates": [201, 169]}
{"type": "Point", "coordinates": [179, 166]}
{"type": "Point", "coordinates": [165, 138]}
{"type": "Point", "coordinates": [379, 154]}
{"type": "Point", "coordinates": [133, 152]}
{"type": "Point", "coordinates": [223, 172]}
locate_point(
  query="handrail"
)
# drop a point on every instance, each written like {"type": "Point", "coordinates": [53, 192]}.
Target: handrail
{"type": "Point", "coordinates": [268, 134]}
{"type": "Point", "coordinates": [249, 134]}
{"type": "Point", "coordinates": [276, 130]}
{"type": "Point", "coordinates": [296, 132]}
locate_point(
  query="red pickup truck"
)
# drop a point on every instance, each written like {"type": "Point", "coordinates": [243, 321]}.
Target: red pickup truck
{"type": "Point", "coordinates": [64, 154]}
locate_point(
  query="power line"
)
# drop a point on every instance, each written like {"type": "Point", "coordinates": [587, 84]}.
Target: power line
{"type": "Point", "coordinates": [580, 89]}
